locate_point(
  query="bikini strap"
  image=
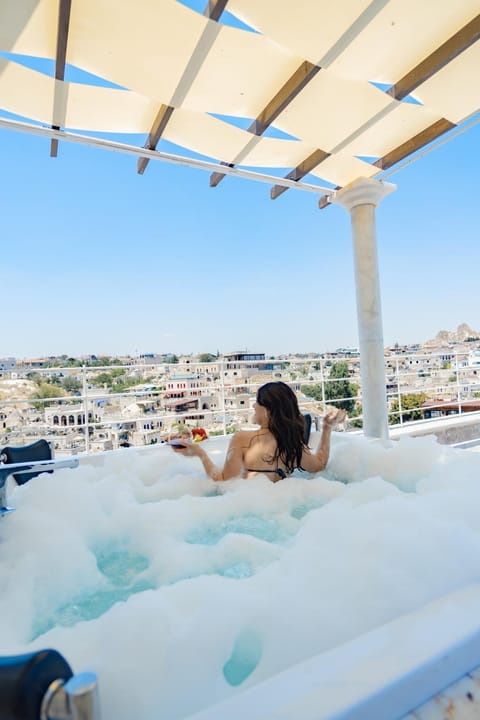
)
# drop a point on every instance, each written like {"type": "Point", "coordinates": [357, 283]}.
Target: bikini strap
{"type": "Point", "coordinates": [281, 473]}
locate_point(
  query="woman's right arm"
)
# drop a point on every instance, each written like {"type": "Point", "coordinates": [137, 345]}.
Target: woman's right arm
{"type": "Point", "coordinates": [233, 465]}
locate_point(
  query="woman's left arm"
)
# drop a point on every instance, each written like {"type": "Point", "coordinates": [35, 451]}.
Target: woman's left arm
{"type": "Point", "coordinates": [317, 461]}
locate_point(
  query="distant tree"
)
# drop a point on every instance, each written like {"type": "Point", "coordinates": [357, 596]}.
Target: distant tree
{"type": "Point", "coordinates": [411, 403]}
{"type": "Point", "coordinates": [53, 380]}
{"type": "Point", "coordinates": [337, 386]}
{"type": "Point", "coordinates": [34, 377]}
{"type": "Point", "coordinates": [97, 362]}
{"type": "Point", "coordinates": [117, 372]}
{"type": "Point", "coordinates": [103, 378]}
{"type": "Point", "coordinates": [121, 385]}
{"type": "Point", "coordinates": [206, 357]}
{"type": "Point", "coordinates": [356, 423]}
{"type": "Point", "coordinates": [313, 391]}
{"type": "Point", "coordinates": [68, 362]}
{"type": "Point", "coordinates": [172, 359]}
{"type": "Point", "coordinates": [44, 391]}
{"type": "Point", "coordinates": [102, 361]}
{"type": "Point", "coordinates": [109, 378]}
{"type": "Point", "coordinates": [71, 384]}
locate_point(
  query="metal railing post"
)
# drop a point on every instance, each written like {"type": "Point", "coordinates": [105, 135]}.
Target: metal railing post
{"type": "Point", "coordinates": [399, 394]}
{"type": "Point", "coordinates": [322, 380]}
{"type": "Point", "coordinates": [459, 394]}
{"type": "Point", "coordinates": [85, 409]}
{"type": "Point", "coordinates": [222, 397]}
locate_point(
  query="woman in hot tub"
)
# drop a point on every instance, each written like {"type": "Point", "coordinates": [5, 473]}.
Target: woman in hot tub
{"type": "Point", "coordinates": [277, 448]}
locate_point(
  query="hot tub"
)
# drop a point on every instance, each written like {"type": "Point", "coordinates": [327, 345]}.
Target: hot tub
{"type": "Point", "coordinates": [180, 592]}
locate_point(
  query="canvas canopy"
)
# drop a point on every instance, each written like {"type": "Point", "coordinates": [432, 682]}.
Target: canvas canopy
{"type": "Point", "coordinates": [351, 87]}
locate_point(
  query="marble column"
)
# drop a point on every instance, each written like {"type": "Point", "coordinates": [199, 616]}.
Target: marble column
{"type": "Point", "coordinates": [360, 199]}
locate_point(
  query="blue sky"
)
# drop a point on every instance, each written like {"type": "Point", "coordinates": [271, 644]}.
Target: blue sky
{"type": "Point", "coordinates": [97, 259]}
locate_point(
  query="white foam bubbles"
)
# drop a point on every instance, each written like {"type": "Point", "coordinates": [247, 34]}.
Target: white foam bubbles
{"type": "Point", "coordinates": [178, 591]}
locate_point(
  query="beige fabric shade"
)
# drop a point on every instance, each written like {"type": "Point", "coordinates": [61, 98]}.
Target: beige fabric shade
{"type": "Point", "coordinates": [335, 77]}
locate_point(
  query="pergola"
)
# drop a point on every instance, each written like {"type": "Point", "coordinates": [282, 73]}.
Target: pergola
{"type": "Point", "coordinates": [334, 92]}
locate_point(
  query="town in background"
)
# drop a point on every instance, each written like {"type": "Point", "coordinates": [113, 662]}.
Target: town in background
{"type": "Point", "coordinates": [93, 404]}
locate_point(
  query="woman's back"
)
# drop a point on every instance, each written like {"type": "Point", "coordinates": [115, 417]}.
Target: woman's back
{"type": "Point", "coordinates": [258, 454]}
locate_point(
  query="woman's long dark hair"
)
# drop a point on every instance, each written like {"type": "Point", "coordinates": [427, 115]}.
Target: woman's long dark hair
{"type": "Point", "coordinates": [285, 422]}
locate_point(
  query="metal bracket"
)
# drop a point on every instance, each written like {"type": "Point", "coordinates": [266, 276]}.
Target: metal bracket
{"type": "Point", "coordinates": [76, 699]}
{"type": "Point", "coordinates": [7, 469]}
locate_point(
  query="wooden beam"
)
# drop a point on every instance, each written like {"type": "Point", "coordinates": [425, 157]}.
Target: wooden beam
{"type": "Point", "coordinates": [159, 125]}
{"type": "Point", "coordinates": [404, 150]}
{"type": "Point", "coordinates": [213, 11]}
{"type": "Point", "coordinates": [61, 55]}
{"type": "Point", "coordinates": [415, 143]}
{"type": "Point", "coordinates": [432, 64]}
{"type": "Point", "coordinates": [300, 171]}
{"type": "Point", "coordinates": [295, 84]}
{"type": "Point", "coordinates": [215, 177]}
{"type": "Point", "coordinates": [325, 200]}
{"type": "Point", "coordinates": [459, 42]}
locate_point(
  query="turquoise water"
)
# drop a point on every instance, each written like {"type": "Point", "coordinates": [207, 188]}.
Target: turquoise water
{"type": "Point", "coordinates": [246, 655]}
{"type": "Point", "coordinates": [120, 569]}
{"type": "Point", "coordinates": [300, 511]}
{"type": "Point", "coordinates": [124, 574]}
{"type": "Point", "coordinates": [120, 566]}
{"type": "Point", "coordinates": [264, 528]}
{"type": "Point", "coordinates": [238, 571]}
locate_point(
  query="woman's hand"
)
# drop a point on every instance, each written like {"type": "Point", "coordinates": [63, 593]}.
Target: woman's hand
{"type": "Point", "coordinates": [317, 461]}
{"type": "Point", "coordinates": [189, 449]}
{"type": "Point", "coordinates": [333, 417]}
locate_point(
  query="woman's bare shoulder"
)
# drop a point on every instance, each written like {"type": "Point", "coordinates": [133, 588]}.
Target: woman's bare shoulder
{"type": "Point", "coordinates": [244, 437]}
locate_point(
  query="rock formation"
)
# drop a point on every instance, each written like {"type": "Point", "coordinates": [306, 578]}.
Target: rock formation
{"type": "Point", "coordinates": [464, 331]}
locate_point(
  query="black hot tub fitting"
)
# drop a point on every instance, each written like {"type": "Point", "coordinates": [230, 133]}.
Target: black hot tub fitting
{"type": "Point", "coordinates": [41, 686]}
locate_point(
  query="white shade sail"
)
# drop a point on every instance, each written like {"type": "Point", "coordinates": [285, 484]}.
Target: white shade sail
{"type": "Point", "coordinates": [337, 79]}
